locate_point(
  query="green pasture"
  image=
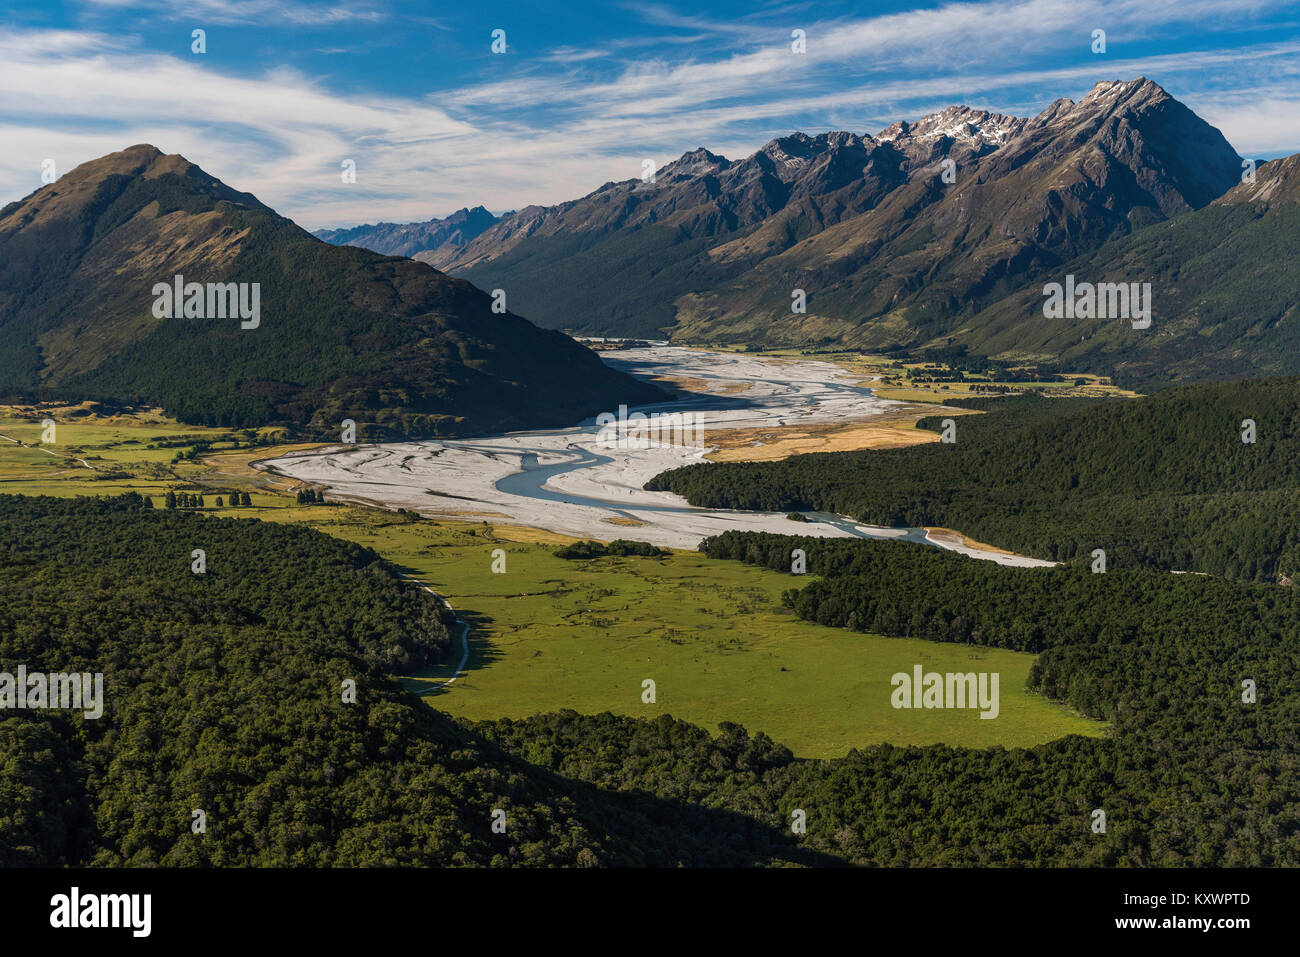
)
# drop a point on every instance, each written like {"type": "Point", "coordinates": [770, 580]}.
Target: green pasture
{"type": "Point", "coordinates": [550, 633]}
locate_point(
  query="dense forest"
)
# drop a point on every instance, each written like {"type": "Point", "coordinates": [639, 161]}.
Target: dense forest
{"type": "Point", "coordinates": [1189, 773]}
{"type": "Point", "coordinates": [1104, 638]}
{"type": "Point", "coordinates": [289, 577]}
{"type": "Point", "coordinates": [217, 702]}
{"type": "Point", "coordinates": [213, 707]}
{"type": "Point", "coordinates": [1162, 482]}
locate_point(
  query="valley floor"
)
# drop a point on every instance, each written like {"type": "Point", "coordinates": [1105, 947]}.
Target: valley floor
{"type": "Point", "coordinates": [571, 482]}
{"type": "Point", "coordinates": [549, 633]}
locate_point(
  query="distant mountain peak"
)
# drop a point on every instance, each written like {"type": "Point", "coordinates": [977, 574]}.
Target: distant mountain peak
{"type": "Point", "coordinates": [964, 124]}
{"type": "Point", "coordinates": [916, 222]}
{"type": "Point", "coordinates": [143, 159]}
{"type": "Point", "coordinates": [1276, 183]}
{"type": "Point", "coordinates": [407, 239]}
{"type": "Point", "coordinates": [958, 123]}
{"type": "Point", "coordinates": [1129, 91]}
{"type": "Point", "coordinates": [799, 148]}
{"type": "Point", "coordinates": [696, 162]}
{"type": "Point", "coordinates": [140, 151]}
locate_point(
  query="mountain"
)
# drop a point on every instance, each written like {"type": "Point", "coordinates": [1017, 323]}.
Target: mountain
{"type": "Point", "coordinates": [634, 247]}
{"type": "Point", "coordinates": [1225, 300]}
{"type": "Point", "coordinates": [335, 332]}
{"type": "Point", "coordinates": [887, 252]}
{"type": "Point", "coordinates": [407, 239]}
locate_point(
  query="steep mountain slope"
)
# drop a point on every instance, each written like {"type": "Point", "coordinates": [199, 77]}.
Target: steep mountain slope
{"type": "Point", "coordinates": [887, 250]}
{"type": "Point", "coordinates": [339, 332]}
{"type": "Point", "coordinates": [1125, 156]}
{"type": "Point", "coordinates": [632, 247]}
{"type": "Point", "coordinates": [1223, 291]}
{"type": "Point", "coordinates": [407, 239]}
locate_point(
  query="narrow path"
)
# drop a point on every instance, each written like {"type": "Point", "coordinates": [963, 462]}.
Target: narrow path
{"type": "Point", "coordinates": [41, 448]}
{"type": "Point", "coordinates": [464, 632]}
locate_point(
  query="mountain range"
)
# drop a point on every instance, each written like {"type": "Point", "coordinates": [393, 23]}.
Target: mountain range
{"type": "Point", "coordinates": [937, 233]}
{"type": "Point", "coordinates": [339, 333]}
{"type": "Point", "coordinates": [407, 239]}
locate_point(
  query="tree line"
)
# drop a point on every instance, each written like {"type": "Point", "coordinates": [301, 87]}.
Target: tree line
{"type": "Point", "coordinates": [1200, 478]}
{"type": "Point", "coordinates": [229, 694]}
{"type": "Point", "coordinates": [174, 499]}
{"type": "Point", "coordinates": [1188, 774]}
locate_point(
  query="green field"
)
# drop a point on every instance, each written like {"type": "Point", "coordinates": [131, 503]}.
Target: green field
{"type": "Point", "coordinates": [109, 455]}
{"type": "Point", "coordinates": [550, 633]}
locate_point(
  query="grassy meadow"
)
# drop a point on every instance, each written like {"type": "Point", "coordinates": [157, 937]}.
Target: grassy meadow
{"type": "Point", "coordinates": [551, 633]}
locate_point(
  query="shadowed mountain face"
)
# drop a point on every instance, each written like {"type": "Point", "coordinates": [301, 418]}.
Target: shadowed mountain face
{"type": "Point", "coordinates": [407, 239]}
{"type": "Point", "coordinates": [339, 332]}
{"type": "Point", "coordinates": [1225, 295]}
{"type": "Point", "coordinates": [896, 239]}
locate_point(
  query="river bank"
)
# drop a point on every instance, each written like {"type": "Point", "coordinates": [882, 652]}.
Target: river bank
{"type": "Point", "coordinates": [571, 481]}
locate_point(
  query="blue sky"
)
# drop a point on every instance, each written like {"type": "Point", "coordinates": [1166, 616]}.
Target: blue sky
{"type": "Point", "coordinates": [435, 120]}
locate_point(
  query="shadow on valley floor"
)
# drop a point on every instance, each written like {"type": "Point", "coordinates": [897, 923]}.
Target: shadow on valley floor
{"type": "Point", "coordinates": [644, 830]}
{"type": "Point", "coordinates": [431, 682]}
{"type": "Point", "coordinates": [640, 828]}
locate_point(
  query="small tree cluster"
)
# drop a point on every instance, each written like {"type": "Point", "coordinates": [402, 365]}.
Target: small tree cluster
{"type": "Point", "coordinates": [176, 499]}
{"type": "Point", "coordinates": [183, 500]}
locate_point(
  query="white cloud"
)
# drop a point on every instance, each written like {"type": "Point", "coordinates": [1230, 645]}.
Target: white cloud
{"type": "Point", "coordinates": [228, 12]}
{"type": "Point", "coordinates": [557, 127]}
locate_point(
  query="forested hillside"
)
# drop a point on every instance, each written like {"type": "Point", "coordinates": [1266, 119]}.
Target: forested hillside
{"type": "Point", "coordinates": [212, 707]}
{"type": "Point", "coordinates": [285, 576]}
{"type": "Point", "coordinates": [1191, 774]}
{"type": "Point", "coordinates": [1162, 482]}
{"type": "Point", "coordinates": [224, 694]}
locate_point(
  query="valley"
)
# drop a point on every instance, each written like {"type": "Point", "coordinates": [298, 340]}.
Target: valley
{"type": "Point", "coordinates": [671, 438]}
{"type": "Point", "coordinates": [559, 648]}
{"type": "Point", "coordinates": [569, 482]}
{"type": "Point", "coordinates": [551, 633]}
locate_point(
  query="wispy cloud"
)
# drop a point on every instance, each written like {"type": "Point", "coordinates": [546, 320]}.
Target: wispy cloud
{"type": "Point", "coordinates": [544, 128]}
{"type": "Point", "coordinates": [227, 12]}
